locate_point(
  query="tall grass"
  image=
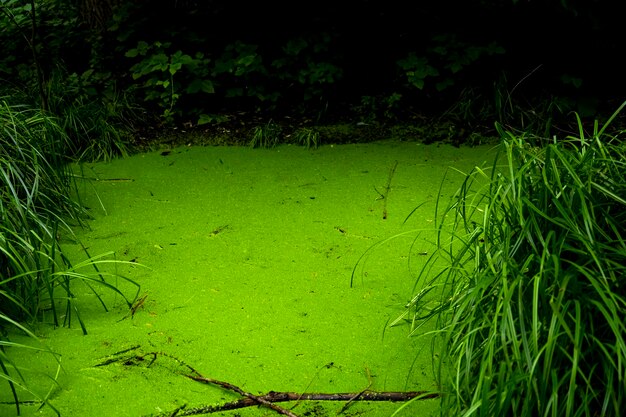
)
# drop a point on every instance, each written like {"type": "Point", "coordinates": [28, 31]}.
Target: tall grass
{"type": "Point", "coordinates": [35, 208]}
{"type": "Point", "coordinates": [99, 120]}
{"type": "Point", "coordinates": [528, 285]}
{"type": "Point", "coordinates": [266, 136]}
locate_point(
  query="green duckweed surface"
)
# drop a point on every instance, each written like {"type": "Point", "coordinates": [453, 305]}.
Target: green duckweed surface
{"type": "Point", "coordinates": [248, 258]}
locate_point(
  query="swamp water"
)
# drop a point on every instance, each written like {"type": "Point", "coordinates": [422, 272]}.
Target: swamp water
{"type": "Point", "coordinates": [249, 256]}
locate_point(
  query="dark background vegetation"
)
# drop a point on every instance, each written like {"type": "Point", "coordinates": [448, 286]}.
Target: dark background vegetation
{"type": "Point", "coordinates": [526, 64]}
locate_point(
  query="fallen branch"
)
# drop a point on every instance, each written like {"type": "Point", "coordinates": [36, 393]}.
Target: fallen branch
{"type": "Point", "coordinates": [276, 397]}
{"type": "Point", "coordinates": [266, 400]}
{"type": "Point", "coordinates": [256, 400]}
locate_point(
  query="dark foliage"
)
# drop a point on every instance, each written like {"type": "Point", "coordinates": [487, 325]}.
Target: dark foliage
{"type": "Point", "coordinates": [474, 62]}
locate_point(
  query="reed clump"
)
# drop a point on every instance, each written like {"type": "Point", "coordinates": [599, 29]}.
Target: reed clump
{"type": "Point", "coordinates": [528, 285]}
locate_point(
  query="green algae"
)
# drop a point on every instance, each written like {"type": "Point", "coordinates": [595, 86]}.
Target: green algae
{"type": "Point", "coordinates": [249, 256]}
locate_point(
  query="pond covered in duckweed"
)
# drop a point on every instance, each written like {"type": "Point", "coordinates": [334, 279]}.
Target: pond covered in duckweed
{"type": "Point", "coordinates": [246, 262]}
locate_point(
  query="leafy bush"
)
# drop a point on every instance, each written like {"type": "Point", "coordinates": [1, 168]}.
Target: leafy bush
{"type": "Point", "coordinates": [443, 61]}
{"type": "Point", "coordinates": [158, 67]}
{"type": "Point", "coordinates": [305, 64]}
{"type": "Point", "coordinates": [236, 74]}
{"type": "Point", "coordinates": [95, 116]}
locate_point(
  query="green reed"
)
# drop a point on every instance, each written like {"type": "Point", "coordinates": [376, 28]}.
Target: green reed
{"type": "Point", "coordinates": [36, 207]}
{"type": "Point", "coordinates": [528, 285]}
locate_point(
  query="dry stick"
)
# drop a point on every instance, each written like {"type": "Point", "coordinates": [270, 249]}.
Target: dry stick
{"type": "Point", "coordinates": [387, 188]}
{"type": "Point", "coordinates": [273, 397]}
{"type": "Point", "coordinates": [276, 397]}
{"type": "Point", "coordinates": [256, 399]}
{"type": "Point", "coordinates": [266, 399]}
{"type": "Point", "coordinates": [134, 307]}
{"type": "Point", "coordinates": [111, 358]}
{"type": "Point", "coordinates": [200, 378]}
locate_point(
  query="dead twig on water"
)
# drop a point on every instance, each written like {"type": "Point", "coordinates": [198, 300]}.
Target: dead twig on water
{"type": "Point", "coordinates": [276, 397]}
{"type": "Point", "coordinates": [266, 400]}
{"type": "Point", "coordinates": [385, 193]}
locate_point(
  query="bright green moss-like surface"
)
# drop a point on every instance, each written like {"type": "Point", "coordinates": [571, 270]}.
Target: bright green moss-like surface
{"type": "Point", "coordinates": [249, 255]}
